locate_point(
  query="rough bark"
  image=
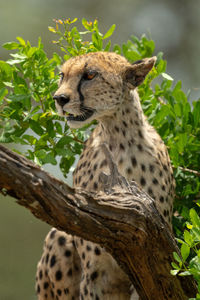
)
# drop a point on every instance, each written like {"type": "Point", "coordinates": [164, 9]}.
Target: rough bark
{"type": "Point", "coordinates": [122, 218]}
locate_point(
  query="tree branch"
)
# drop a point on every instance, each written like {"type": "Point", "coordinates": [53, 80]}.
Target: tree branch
{"type": "Point", "coordinates": [122, 219]}
{"type": "Point", "coordinates": [190, 171]}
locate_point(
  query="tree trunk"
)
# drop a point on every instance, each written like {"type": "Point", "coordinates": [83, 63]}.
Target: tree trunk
{"type": "Point", "coordinates": [121, 218]}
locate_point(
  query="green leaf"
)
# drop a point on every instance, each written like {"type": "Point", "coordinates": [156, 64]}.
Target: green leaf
{"type": "Point", "coordinates": [65, 140]}
{"type": "Point", "coordinates": [117, 49]}
{"type": "Point", "coordinates": [196, 232]}
{"type": "Point", "coordinates": [97, 41]}
{"type": "Point", "coordinates": [50, 128]}
{"type": "Point", "coordinates": [5, 70]}
{"type": "Point", "coordinates": [8, 84]}
{"type": "Point", "coordinates": [66, 163]}
{"type": "Point", "coordinates": [18, 140]}
{"type": "Point", "coordinates": [177, 257]}
{"type": "Point", "coordinates": [57, 58]}
{"type": "Point", "coordinates": [15, 61]}
{"type": "Point", "coordinates": [40, 154]}
{"type": "Point", "coordinates": [159, 58]}
{"type": "Point", "coordinates": [52, 29]}
{"type": "Point", "coordinates": [86, 24]}
{"type": "Point", "coordinates": [182, 141]}
{"type": "Point", "coordinates": [19, 56]}
{"type": "Point", "coordinates": [18, 98]}
{"type": "Point", "coordinates": [196, 112]}
{"type": "Point", "coordinates": [49, 159]}
{"type": "Point", "coordinates": [175, 266]}
{"type": "Point", "coordinates": [180, 241]}
{"type": "Point", "coordinates": [21, 40]}
{"type": "Point", "coordinates": [195, 265]}
{"type": "Point", "coordinates": [185, 251]}
{"type": "Point", "coordinates": [11, 45]}
{"type": "Point", "coordinates": [194, 217]}
{"type": "Point", "coordinates": [30, 139]}
{"type": "Point", "coordinates": [148, 46]}
{"type": "Point", "coordinates": [163, 112]}
{"type": "Point", "coordinates": [109, 32]}
{"type": "Point", "coordinates": [58, 127]}
{"type": "Point", "coordinates": [41, 157]}
{"type": "Point", "coordinates": [161, 66]}
{"type": "Point", "coordinates": [174, 272]}
{"type": "Point", "coordinates": [185, 273]}
{"type": "Point", "coordinates": [3, 93]}
{"type": "Point", "coordinates": [35, 126]}
{"type": "Point", "coordinates": [188, 238]}
{"type": "Point", "coordinates": [107, 47]}
{"type": "Point", "coordinates": [166, 76]}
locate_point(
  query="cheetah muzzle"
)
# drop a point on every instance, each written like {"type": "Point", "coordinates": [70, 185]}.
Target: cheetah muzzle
{"type": "Point", "coordinates": [87, 113]}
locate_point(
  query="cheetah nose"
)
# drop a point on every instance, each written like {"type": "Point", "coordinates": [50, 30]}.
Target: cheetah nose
{"type": "Point", "coordinates": [61, 99]}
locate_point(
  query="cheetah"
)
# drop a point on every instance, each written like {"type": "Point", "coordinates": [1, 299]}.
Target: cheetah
{"type": "Point", "coordinates": [102, 86]}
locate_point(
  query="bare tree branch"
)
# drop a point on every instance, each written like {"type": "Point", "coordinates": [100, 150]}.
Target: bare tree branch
{"type": "Point", "coordinates": [190, 171]}
{"type": "Point", "coordinates": [122, 219]}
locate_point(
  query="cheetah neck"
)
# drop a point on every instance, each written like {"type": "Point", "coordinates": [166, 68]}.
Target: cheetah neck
{"type": "Point", "coordinates": [125, 133]}
{"type": "Point", "coordinates": [128, 117]}
{"type": "Point", "coordinates": [125, 128]}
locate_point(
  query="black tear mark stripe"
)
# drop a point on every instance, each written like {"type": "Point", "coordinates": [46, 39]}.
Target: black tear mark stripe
{"type": "Point", "coordinates": [79, 90]}
{"type": "Point", "coordinates": [80, 83]}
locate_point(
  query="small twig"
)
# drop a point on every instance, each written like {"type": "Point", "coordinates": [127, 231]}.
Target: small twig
{"type": "Point", "coordinates": [77, 139]}
{"type": "Point", "coordinates": [188, 170]}
{"type": "Point", "coordinates": [161, 101]}
{"type": "Point", "coordinates": [42, 104]}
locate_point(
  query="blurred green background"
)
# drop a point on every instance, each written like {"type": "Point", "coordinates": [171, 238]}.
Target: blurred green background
{"type": "Point", "coordinates": [175, 28]}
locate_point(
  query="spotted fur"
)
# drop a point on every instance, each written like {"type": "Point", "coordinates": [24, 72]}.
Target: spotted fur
{"type": "Point", "coordinates": [101, 86]}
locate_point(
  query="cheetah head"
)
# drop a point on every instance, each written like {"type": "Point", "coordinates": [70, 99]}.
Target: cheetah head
{"type": "Point", "coordinates": [92, 85]}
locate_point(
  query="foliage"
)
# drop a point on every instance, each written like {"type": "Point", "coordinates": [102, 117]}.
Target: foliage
{"type": "Point", "coordinates": [27, 82]}
{"type": "Point", "coordinates": [28, 115]}
{"type": "Point", "coordinates": [177, 121]}
{"type": "Point", "coordinates": [188, 263]}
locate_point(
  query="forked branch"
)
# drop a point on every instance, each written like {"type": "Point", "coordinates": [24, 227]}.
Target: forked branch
{"type": "Point", "coordinates": [122, 219]}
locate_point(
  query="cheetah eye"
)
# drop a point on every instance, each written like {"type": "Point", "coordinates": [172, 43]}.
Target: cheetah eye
{"type": "Point", "coordinates": [89, 75]}
{"type": "Point", "coordinates": [61, 74]}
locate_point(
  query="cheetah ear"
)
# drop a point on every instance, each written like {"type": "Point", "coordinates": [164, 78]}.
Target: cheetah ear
{"type": "Point", "coordinates": [136, 73]}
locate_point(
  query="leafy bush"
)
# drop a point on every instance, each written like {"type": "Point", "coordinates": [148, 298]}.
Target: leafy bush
{"type": "Point", "coordinates": [28, 115]}
{"type": "Point", "coordinates": [189, 262]}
